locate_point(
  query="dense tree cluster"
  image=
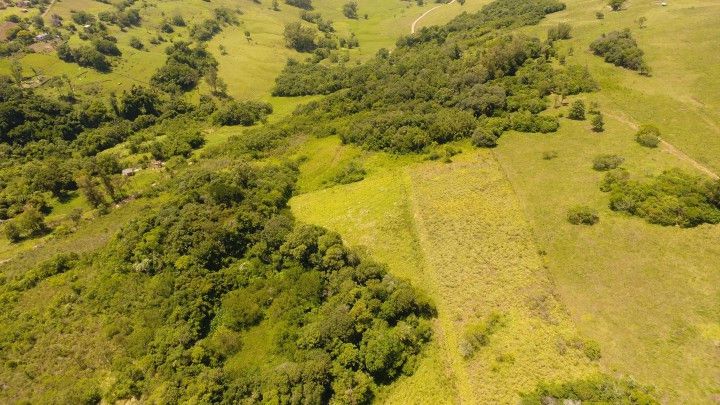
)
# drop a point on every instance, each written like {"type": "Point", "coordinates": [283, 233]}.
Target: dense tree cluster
{"type": "Point", "coordinates": [442, 85]}
{"type": "Point", "coordinates": [621, 49]}
{"type": "Point", "coordinates": [84, 55]}
{"type": "Point", "coordinates": [671, 198]}
{"type": "Point", "coordinates": [185, 66]}
{"type": "Point", "coordinates": [242, 113]}
{"type": "Point", "coordinates": [45, 143]}
{"type": "Point", "coordinates": [177, 292]}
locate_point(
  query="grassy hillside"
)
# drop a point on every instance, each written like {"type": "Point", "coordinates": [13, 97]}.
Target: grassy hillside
{"type": "Point", "coordinates": [248, 66]}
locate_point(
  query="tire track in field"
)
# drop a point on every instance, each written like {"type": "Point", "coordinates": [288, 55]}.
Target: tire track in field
{"type": "Point", "coordinates": [417, 20]}
{"type": "Point", "coordinates": [668, 147]}
{"type": "Point", "coordinates": [481, 259]}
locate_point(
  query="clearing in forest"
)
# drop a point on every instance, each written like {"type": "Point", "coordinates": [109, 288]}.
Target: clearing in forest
{"type": "Point", "coordinates": [456, 231]}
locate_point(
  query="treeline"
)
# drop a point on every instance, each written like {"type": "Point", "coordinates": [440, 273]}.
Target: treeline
{"type": "Point", "coordinates": [177, 292]}
{"type": "Point", "coordinates": [467, 79]}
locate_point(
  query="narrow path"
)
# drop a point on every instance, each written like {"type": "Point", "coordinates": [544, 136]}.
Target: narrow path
{"type": "Point", "coordinates": [412, 27]}
{"type": "Point", "coordinates": [47, 10]}
{"type": "Point", "coordinates": [670, 148]}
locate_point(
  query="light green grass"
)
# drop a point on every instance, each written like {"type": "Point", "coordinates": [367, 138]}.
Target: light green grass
{"type": "Point", "coordinates": [646, 293]}
{"type": "Point", "coordinates": [683, 95]}
{"type": "Point", "coordinates": [374, 216]}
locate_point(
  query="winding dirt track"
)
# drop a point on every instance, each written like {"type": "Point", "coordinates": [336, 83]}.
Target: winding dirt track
{"type": "Point", "coordinates": [412, 27]}
{"type": "Point", "coordinates": [670, 148]}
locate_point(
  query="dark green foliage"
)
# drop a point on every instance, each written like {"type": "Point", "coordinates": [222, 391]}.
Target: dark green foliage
{"type": "Point", "coordinates": [177, 144]}
{"type": "Point", "coordinates": [671, 198]}
{"type": "Point", "coordinates": [597, 389]}
{"type": "Point", "coordinates": [242, 113]}
{"type": "Point", "coordinates": [616, 5]}
{"type": "Point", "coordinates": [350, 10]}
{"type": "Point", "coordinates": [184, 67]}
{"type": "Point", "coordinates": [85, 56]}
{"type": "Point", "coordinates": [299, 37]}
{"type": "Point", "coordinates": [176, 76]}
{"type": "Point", "coordinates": [648, 136]}
{"type": "Point", "coordinates": [607, 162]}
{"type": "Point", "coordinates": [299, 79]}
{"type": "Point", "coordinates": [621, 49]}
{"type": "Point", "coordinates": [582, 215]}
{"type": "Point", "coordinates": [139, 101]}
{"type": "Point", "coordinates": [136, 43]}
{"type": "Point", "coordinates": [29, 224]}
{"type": "Point", "coordinates": [303, 4]}
{"type": "Point", "coordinates": [205, 30]}
{"type": "Point", "coordinates": [559, 32]}
{"type": "Point", "coordinates": [106, 47]}
{"type": "Point", "coordinates": [178, 20]}
{"type": "Point", "coordinates": [436, 90]}
{"type": "Point", "coordinates": [483, 138]}
{"type": "Point", "coordinates": [577, 110]}
{"type": "Point", "coordinates": [176, 291]}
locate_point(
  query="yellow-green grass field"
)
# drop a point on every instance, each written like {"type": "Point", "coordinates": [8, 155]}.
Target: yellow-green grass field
{"type": "Point", "coordinates": [457, 233]}
{"type": "Point", "coordinates": [648, 294]}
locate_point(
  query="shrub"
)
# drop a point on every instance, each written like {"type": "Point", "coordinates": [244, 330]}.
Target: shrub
{"type": "Point", "coordinates": [582, 215]}
{"type": "Point", "coordinates": [12, 231]}
{"type": "Point", "coordinates": [549, 155]}
{"type": "Point", "coordinates": [577, 110]}
{"type": "Point", "coordinates": [597, 389]}
{"type": "Point", "coordinates": [350, 10]}
{"type": "Point", "coordinates": [351, 173]}
{"type": "Point", "coordinates": [597, 122]}
{"type": "Point", "coordinates": [607, 162]}
{"type": "Point", "coordinates": [614, 177]}
{"type": "Point", "coordinates": [174, 76]}
{"type": "Point", "coordinates": [483, 138]}
{"type": "Point", "coordinates": [616, 5]}
{"type": "Point", "coordinates": [648, 136]}
{"type": "Point", "coordinates": [478, 334]}
{"type": "Point", "coordinates": [559, 32]}
{"type": "Point", "coordinates": [206, 30]}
